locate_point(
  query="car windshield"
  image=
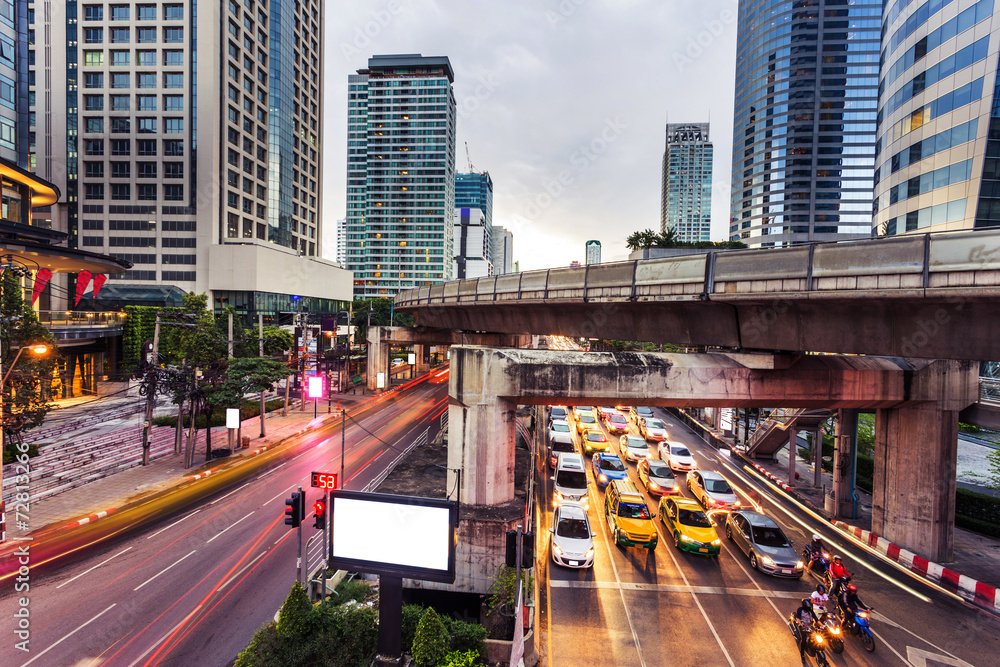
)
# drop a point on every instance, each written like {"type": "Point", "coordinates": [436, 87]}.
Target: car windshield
{"type": "Point", "coordinates": [560, 428]}
{"type": "Point", "coordinates": [717, 486]}
{"type": "Point", "coordinates": [576, 529]}
{"type": "Point", "coordinates": [617, 418]}
{"type": "Point", "coordinates": [573, 479]}
{"type": "Point", "coordinates": [654, 423]}
{"type": "Point", "coordinates": [679, 451]}
{"type": "Point", "coordinates": [660, 471]}
{"type": "Point", "coordinates": [583, 408]}
{"type": "Point", "coordinates": [636, 443]}
{"type": "Point", "coordinates": [612, 464]}
{"type": "Point", "coordinates": [595, 436]}
{"type": "Point", "coordinates": [633, 511]}
{"type": "Point", "coordinates": [695, 518]}
{"type": "Point", "coordinates": [644, 411]}
{"type": "Point", "coordinates": [768, 536]}
{"type": "Point", "coordinates": [562, 446]}
{"type": "Point", "coordinates": [557, 413]}
{"type": "Point", "coordinates": [587, 419]}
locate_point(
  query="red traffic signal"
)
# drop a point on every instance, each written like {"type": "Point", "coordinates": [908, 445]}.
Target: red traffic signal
{"type": "Point", "coordinates": [319, 508]}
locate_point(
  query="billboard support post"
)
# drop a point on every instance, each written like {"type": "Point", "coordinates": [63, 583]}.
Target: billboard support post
{"type": "Point", "coordinates": [326, 554]}
{"type": "Point", "coordinates": [390, 620]}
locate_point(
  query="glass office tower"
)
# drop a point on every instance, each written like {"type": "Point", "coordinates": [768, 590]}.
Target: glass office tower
{"type": "Point", "coordinates": [686, 189]}
{"type": "Point", "coordinates": [804, 121]}
{"type": "Point", "coordinates": [938, 161]}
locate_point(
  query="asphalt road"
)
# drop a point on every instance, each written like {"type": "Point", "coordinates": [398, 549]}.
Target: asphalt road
{"type": "Point", "coordinates": [192, 586]}
{"type": "Point", "coordinates": [670, 608]}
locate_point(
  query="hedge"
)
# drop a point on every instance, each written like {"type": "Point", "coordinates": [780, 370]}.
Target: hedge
{"type": "Point", "coordinates": [977, 526]}
{"type": "Point", "coordinates": [977, 506]}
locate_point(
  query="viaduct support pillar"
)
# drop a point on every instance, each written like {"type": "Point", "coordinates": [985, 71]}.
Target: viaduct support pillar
{"type": "Point", "coordinates": [915, 460]}
{"type": "Point", "coordinates": [422, 355]}
{"type": "Point", "coordinates": [378, 358]}
{"type": "Point", "coordinates": [793, 451]}
{"type": "Point", "coordinates": [845, 451]}
{"type": "Point", "coordinates": [481, 442]}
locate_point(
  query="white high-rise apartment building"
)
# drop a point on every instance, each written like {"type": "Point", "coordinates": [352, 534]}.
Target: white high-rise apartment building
{"type": "Point", "coordinates": [198, 160]}
{"type": "Point", "coordinates": [503, 251]}
{"type": "Point", "coordinates": [400, 174]}
{"type": "Point", "coordinates": [473, 244]}
{"type": "Point", "coordinates": [341, 253]}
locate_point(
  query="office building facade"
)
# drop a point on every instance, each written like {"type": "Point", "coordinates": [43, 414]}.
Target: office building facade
{"type": "Point", "coordinates": [593, 252]}
{"type": "Point", "coordinates": [804, 121]}
{"type": "Point", "coordinates": [503, 251]}
{"type": "Point", "coordinates": [686, 190]}
{"type": "Point", "coordinates": [473, 244]}
{"type": "Point", "coordinates": [475, 190]}
{"type": "Point", "coordinates": [938, 161]}
{"type": "Point", "coordinates": [400, 174]}
{"type": "Point", "coordinates": [196, 160]}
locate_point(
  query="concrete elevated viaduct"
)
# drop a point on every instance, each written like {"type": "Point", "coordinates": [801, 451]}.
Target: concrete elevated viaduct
{"type": "Point", "coordinates": [916, 403]}
{"type": "Point", "coordinates": [933, 296]}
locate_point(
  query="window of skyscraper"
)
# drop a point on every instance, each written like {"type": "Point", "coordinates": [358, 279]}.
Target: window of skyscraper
{"type": "Point", "coordinates": [146, 12]}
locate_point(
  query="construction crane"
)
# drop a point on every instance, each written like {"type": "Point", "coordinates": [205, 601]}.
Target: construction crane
{"type": "Point", "coordinates": [468, 157]}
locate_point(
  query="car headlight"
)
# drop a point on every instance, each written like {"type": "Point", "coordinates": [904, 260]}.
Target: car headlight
{"type": "Point", "coordinates": [711, 501]}
{"type": "Point", "coordinates": [716, 542]}
{"type": "Point", "coordinates": [590, 552]}
{"type": "Point", "coordinates": [800, 565]}
{"type": "Point", "coordinates": [767, 560]}
{"type": "Point", "coordinates": [558, 496]}
{"type": "Point", "coordinates": [602, 477]}
{"type": "Point", "coordinates": [555, 547]}
{"type": "Point", "coordinates": [653, 486]}
{"type": "Point", "coordinates": [736, 504]}
{"type": "Point", "coordinates": [685, 538]}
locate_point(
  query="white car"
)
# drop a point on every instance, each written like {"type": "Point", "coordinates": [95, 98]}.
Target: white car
{"type": "Point", "coordinates": [677, 456]}
{"type": "Point", "coordinates": [572, 541]}
{"type": "Point", "coordinates": [653, 429]}
{"type": "Point", "coordinates": [559, 427]}
{"type": "Point", "coordinates": [712, 490]}
{"type": "Point", "coordinates": [634, 448]}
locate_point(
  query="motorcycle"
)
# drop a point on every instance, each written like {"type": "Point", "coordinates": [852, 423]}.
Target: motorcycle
{"type": "Point", "coordinates": [815, 642]}
{"type": "Point", "coordinates": [815, 558]}
{"type": "Point", "coordinates": [859, 623]}
{"type": "Point", "coordinates": [834, 585]}
{"type": "Point", "coordinates": [832, 630]}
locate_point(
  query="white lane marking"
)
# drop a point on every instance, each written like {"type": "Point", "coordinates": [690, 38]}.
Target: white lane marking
{"type": "Point", "coordinates": [229, 494]}
{"type": "Point", "coordinates": [93, 568]}
{"type": "Point", "coordinates": [898, 654]}
{"type": "Point", "coordinates": [912, 634]}
{"type": "Point", "coordinates": [162, 571]}
{"type": "Point", "coordinates": [278, 496]}
{"type": "Point", "coordinates": [228, 527]}
{"type": "Point", "coordinates": [242, 570]}
{"type": "Point", "coordinates": [591, 493]}
{"type": "Point", "coordinates": [674, 588]}
{"type": "Point", "coordinates": [173, 524]}
{"type": "Point", "coordinates": [274, 469]}
{"type": "Point", "coordinates": [69, 635]}
{"type": "Point", "coordinates": [694, 596]}
{"type": "Point", "coordinates": [918, 658]}
{"type": "Point", "coordinates": [164, 637]}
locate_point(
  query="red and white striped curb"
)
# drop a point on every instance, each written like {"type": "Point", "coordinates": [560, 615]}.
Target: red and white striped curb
{"type": "Point", "coordinates": [201, 475]}
{"type": "Point", "coordinates": [93, 517]}
{"type": "Point", "coordinates": [770, 476]}
{"type": "Point", "coordinates": [980, 594]}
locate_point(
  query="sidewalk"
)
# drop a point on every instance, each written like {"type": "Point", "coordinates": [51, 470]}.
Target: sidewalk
{"type": "Point", "coordinates": [116, 490]}
{"type": "Point", "coordinates": [977, 557]}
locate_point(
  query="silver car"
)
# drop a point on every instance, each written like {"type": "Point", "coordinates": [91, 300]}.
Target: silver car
{"type": "Point", "coordinates": [764, 543]}
{"type": "Point", "coordinates": [634, 448]}
{"type": "Point", "coordinates": [572, 542]}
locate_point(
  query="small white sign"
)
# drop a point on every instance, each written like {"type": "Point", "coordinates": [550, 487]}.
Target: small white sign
{"type": "Point", "coordinates": [232, 417]}
{"type": "Point", "coordinates": [411, 359]}
{"type": "Point", "coordinates": [380, 381]}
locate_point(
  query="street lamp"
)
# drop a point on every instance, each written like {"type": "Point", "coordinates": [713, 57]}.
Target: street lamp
{"type": "Point", "coordinates": [38, 349]}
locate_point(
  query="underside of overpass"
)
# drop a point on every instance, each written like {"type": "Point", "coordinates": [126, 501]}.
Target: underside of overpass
{"type": "Point", "coordinates": [916, 402]}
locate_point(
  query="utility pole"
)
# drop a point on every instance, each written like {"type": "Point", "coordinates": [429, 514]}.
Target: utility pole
{"type": "Point", "coordinates": [288, 384]}
{"type": "Point", "coordinates": [229, 339]}
{"type": "Point", "coordinates": [151, 393]}
{"type": "Point", "coordinates": [260, 334]}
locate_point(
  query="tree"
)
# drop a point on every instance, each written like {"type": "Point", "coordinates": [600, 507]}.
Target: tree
{"type": "Point", "coordinates": [251, 374]}
{"type": "Point", "coordinates": [196, 338]}
{"type": "Point", "coordinates": [26, 389]}
{"type": "Point", "coordinates": [277, 341]}
{"type": "Point", "coordinates": [641, 240]}
{"type": "Point", "coordinates": [430, 644]}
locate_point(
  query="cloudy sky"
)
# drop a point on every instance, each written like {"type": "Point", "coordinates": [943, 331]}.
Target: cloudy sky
{"type": "Point", "coordinates": [563, 102]}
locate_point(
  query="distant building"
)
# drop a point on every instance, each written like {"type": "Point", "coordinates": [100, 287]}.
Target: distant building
{"type": "Point", "coordinates": [686, 191]}
{"type": "Point", "coordinates": [473, 258]}
{"type": "Point", "coordinates": [341, 255]}
{"type": "Point", "coordinates": [593, 252]}
{"type": "Point", "coordinates": [400, 174]}
{"type": "Point", "coordinates": [575, 264]}
{"type": "Point", "coordinates": [503, 251]}
{"type": "Point", "coordinates": [475, 191]}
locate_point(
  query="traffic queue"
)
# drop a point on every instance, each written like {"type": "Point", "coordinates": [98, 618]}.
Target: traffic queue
{"type": "Point", "coordinates": [822, 618]}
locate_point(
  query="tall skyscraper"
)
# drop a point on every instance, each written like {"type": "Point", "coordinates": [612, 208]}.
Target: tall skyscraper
{"type": "Point", "coordinates": [803, 124]}
{"type": "Point", "coordinates": [686, 193]}
{"type": "Point", "coordinates": [400, 174]}
{"type": "Point", "coordinates": [938, 161]}
{"type": "Point", "coordinates": [503, 251]}
{"type": "Point", "coordinates": [593, 255]}
{"type": "Point", "coordinates": [195, 159]}
{"type": "Point", "coordinates": [473, 244]}
{"type": "Point", "coordinates": [475, 191]}
{"type": "Point", "coordinates": [341, 254]}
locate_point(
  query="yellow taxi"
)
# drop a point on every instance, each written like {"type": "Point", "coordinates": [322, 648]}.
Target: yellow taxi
{"type": "Point", "coordinates": [594, 440]}
{"type": "Point", "coordinates": [586, 421]}
{"type": "Point", "coordinates": [690, 527]}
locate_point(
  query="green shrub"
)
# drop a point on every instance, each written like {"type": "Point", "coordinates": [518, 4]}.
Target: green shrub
{"type": "Point", "coordinates": [431, 641]}
{"type": "Point", "coordinates": [293, 619]}
{"type": "Point", "coordinates": [269, 648]}
{"type": "Point", "coordinates": [351, 589]}
{"type": "Point", "coordinates": [467, 637]}
{"type": "Point", "coordinates": [978, 506]}
{"type": "Point", "coordinates": [347, 636]}
{"type": "Point", "coordinates": [11, 452]}
{"type": "Point", "coordinates": [411, 617]}
{"type": "Point", "coordinates": [866, 468]}
{"type": "Point", "coordinates": [977, 525]}
{"type": "Point", "coordinates": [460, 659]}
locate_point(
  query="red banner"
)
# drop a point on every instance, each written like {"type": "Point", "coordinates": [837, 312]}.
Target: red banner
{"type": "Point", "coordinates": [99, 280]}
{"type": "Point", "coordinates": [41, 280]}
{"type": "Point", "coordinates": [82, 283]}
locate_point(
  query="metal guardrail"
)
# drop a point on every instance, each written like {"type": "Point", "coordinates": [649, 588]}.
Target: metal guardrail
{"type": "Point", "coordinates": [916, 259]}
{"type": "Point", "coordinates": [989, 390]}
{"type": "Point", "coordinates": [74, 318]}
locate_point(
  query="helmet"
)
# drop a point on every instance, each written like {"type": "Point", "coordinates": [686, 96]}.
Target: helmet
{"type": "Point", "coordinates": [817, 538]}
{"type": "Point", "coordinates": [821, 589]}
{"type": "Point", "coordinates": [852, 588]}
{"type": "Point", "coordinates": [807, 603]}
{"type": "Point", "coordinates": [836, 559]}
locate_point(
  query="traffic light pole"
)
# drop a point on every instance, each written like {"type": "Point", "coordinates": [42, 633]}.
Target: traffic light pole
{"type": "Point", "coordinates": [300, 563]}
{"type": "Point", "coordinates": [326, 541]}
